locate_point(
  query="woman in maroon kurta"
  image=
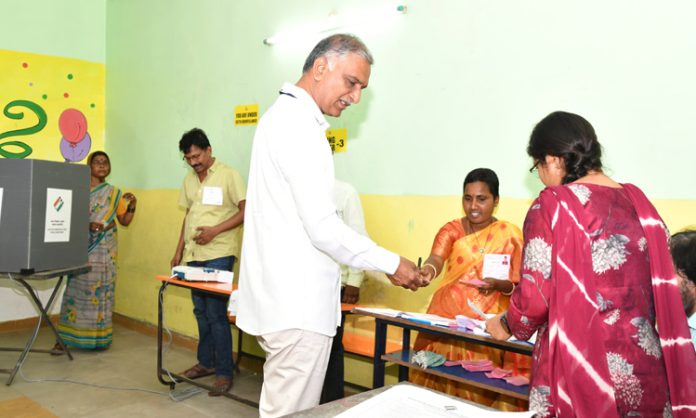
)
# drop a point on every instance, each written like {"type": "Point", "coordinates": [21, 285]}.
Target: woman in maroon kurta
{"type": "Point", "coordinates": [597, 285]}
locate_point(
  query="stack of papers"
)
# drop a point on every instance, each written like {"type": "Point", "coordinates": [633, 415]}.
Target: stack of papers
{"type": "Point", "coordinates": [476, 326]}
{"type": "Point", "coordinates": [413, 401]}
{"type": "Point", "coordinates": [473, 325]}
{"type": "Point", "coordinates": [423, 318]}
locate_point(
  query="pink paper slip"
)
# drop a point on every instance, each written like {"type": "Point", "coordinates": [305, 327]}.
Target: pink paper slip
{"type": "Point", "coordinates": [478, 362]}
{"type": "Point", "coordinates": [498, 373]}
{"type": "Point", "coordinates": [450, 363]}
{"type": "Point", "coordinates": [482, 368]}
{"type": "Point", "coordinates": [517, 380]}
{"type": "Point", "coordinates": [474, 282]}
{"type": "Point", "coordinates": [478, 365]}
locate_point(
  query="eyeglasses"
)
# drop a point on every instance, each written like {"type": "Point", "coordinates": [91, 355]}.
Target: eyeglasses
{"type": "Point", "coordinates": [535, 166]}
{"type": "Point", "coordinates": [191, 158]}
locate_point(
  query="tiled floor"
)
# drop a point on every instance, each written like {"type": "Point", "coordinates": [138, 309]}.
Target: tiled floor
{"type": "Point", "coordinates": [129, 365]}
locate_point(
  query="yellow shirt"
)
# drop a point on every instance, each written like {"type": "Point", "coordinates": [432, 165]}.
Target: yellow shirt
{"type": "Point", "coordinates": [209, 203]}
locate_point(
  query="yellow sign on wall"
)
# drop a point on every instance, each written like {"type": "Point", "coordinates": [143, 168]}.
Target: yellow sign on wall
{"type": "Point", "coordinates": [337, 139]}
{"type": "Point", "coordinates": [246, 114]}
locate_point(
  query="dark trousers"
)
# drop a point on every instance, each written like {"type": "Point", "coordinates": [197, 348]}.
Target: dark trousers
{"type": "Point", "coordinates": [214, 334]}
{"type": "Point", "coordinates": [333, 382]}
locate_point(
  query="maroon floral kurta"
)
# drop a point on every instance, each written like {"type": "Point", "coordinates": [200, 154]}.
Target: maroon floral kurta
{"type": "Point", "coordinates": [588, 289]}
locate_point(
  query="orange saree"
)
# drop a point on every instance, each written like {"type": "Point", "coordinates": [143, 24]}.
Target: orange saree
{"type": "Point", "coordinates": [464, 262]}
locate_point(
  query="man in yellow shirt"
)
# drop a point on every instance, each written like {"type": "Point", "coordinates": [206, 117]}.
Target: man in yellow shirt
{"type": "Point", "coordinates": [214, 196]}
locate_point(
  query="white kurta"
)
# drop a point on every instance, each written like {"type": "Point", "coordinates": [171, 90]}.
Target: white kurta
{"type": "Point", "coordinates": [292, 234]}
{"type": "Point", "coordinates": [350, 211]}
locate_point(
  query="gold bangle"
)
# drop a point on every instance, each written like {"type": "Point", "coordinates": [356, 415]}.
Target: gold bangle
{"type": "Point", "coordinates": [512, 290]}
{"type": "Point", "coordinates": [432, 267]}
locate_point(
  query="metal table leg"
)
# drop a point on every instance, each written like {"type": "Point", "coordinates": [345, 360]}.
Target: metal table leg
{"type": "Point", "coordinates": [176, 377]}
{"type": "Point", "coordinates": [405, 346]}
{"type": "Point", "coordinates": [160, 370]}
{"type": "Point", "coordinates": [43, 311]}
{"type": "Point", "coordinates": [380, 348]}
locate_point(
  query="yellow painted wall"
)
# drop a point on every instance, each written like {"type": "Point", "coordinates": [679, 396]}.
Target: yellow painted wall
{"type": "Point", "coordinates": [37, 93]}
{"type": "Point", "coordinates": [405, 224]}
{"type": "Point", "coordinates": [51, 85]}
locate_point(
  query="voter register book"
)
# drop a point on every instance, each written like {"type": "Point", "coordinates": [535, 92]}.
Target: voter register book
{"type": "Point", "coordinates": [429, 319]}
{"type": "Point", "coordinates": [202, 274]}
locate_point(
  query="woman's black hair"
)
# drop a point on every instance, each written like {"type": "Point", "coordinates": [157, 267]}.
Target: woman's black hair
{"type": "Point", "coordinates": [682, 245]}
{"type": "Point", "coordinates": [485, 175]}
{"type": "Point", "coordinates": [571, 137]}
{"type": "Point", "coordinates": [96, 154]}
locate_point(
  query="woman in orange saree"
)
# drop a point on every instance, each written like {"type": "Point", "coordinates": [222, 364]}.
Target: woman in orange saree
{"type": "Point", "coordinates": [464, 244]}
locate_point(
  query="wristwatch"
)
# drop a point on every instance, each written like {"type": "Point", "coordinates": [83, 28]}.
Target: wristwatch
{"type": "Point", "coordinates": [504, 323]}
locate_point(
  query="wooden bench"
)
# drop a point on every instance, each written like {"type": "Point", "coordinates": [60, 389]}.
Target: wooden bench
{"type": "Point", "coordinates": [364, 345]}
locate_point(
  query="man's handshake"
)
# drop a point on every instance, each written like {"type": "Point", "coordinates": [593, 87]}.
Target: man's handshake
{"type": "Point", "coordinates": [408, 276]}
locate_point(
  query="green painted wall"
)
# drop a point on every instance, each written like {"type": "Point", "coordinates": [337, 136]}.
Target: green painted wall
{"type": "Point", "coordinates": [67, 28]}
{"type": "Point", "coordinates": [456, 85]}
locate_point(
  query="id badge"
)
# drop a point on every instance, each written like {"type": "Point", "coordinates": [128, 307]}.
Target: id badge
{"type": "Point", "coordinates": [496, 266]}
{"type": "Point", "coordinates": [212, 196]}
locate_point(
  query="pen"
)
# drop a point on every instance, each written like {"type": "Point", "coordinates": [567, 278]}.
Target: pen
{"type": "Point", "coordinates": [420, 260]}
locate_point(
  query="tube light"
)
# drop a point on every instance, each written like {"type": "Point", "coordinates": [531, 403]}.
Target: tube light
{"type": "Point", "coordinates": [336, 22]}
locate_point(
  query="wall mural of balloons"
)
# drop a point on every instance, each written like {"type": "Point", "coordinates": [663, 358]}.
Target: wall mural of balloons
{"type": "Point", "coordinates": [51, 108]}
{"type": "Point", "coordinates": [76, 142]}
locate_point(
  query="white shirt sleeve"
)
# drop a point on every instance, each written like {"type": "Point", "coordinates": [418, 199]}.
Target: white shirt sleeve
{"type": "Point", "coordinates": [305, 167]}
{"type": "Point", "coordinates": [350, 211]}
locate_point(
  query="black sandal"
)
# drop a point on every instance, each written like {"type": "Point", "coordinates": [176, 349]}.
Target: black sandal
{"type": "Point", "coordinates": [57, 350]}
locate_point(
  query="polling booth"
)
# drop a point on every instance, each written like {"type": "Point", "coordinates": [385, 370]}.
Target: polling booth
{"type": "Point", "coordinates": [44, 235]}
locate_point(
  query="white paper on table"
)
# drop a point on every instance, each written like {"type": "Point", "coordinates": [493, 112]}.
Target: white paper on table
{"type": "Point", "coordinates": [427, 318]}
{"type": "Point", "coordinates": [480, 326]}
{"type": "Point", "coordinates": [380, 311]}
{"type": "Point", "coordinates": [469, 323]}
{"type": "Point", "coordinates": [412, 401]}
{"type": "Point", "coordinates": [413, 316]}
{"type": "Point", "coordinates": [496, 266]}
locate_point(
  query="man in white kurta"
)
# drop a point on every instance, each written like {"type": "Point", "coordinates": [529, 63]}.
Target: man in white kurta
{"type": "Point", "coordinates": [349, 209]}
{"type": "Point", "coordinates": [289, 286]}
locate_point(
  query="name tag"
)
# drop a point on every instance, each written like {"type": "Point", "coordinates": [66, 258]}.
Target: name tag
{"type": "Point", "coordinates": [496, 266]}
{"type": "Point", "coordinates": [212, 196]}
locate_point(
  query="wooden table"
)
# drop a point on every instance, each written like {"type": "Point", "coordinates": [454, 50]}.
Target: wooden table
{"type": "Point", "coordinates": [171, 379]}
{"type": "Point", "coordinates": [163, 375]}
{"type": "Point", "coordinates": [403, 358]}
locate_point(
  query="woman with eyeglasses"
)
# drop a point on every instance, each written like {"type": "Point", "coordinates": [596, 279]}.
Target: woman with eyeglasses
{"type": "Point", "coordinates": [597, 285]}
